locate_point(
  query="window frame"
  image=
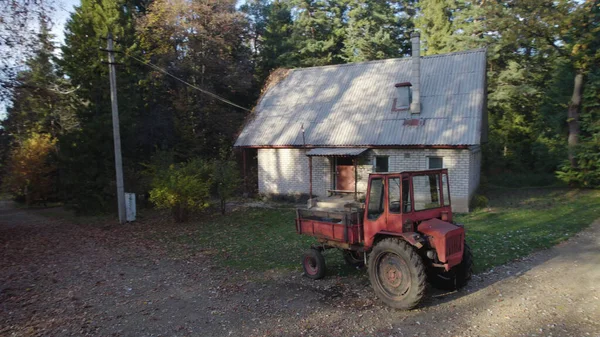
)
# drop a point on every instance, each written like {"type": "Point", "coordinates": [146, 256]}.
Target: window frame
{"type": "Point", "coordinates": [389, 197]}
{"type": "Point", "coordinates": [382, 203]}
{"type": "Point", "coordinates": [438, 187]}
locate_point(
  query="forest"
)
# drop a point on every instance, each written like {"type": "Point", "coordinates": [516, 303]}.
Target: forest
{"type": "Point", "coordinates": [56, 138]}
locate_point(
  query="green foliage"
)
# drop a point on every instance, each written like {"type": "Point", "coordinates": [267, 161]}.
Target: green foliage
{"type": "Point", "coordinates": [32, 170]}
{"type": "Point", "coordinates": [182, 187]}
{"type": "Point", "coordinates": [587, 171]}
{"type": "Point", "coordinates": [535, 49]}
{"type": "Point", "coordinates": [478, 202]}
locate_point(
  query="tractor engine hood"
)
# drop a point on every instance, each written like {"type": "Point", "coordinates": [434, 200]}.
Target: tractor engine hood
{"type": "Point", "coordinates": [447, 239]}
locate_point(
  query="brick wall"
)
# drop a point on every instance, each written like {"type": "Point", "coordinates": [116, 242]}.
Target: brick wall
{"type": "Point", "coordinates": [285, 171]}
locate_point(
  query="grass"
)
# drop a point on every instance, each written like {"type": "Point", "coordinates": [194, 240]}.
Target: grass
{"type": "Point", "coordinates": [517, 223]}
{"type": "Point", "coordinates": [521, 221]}
{"type": "Point", "coordinates": [258, 239]}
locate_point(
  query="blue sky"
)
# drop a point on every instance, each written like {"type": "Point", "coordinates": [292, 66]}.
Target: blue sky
{"type": "Point", "coordinates": [64, 8]}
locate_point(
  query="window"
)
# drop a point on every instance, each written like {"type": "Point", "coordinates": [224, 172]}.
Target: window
{"type": "Point", "coordinates": [426, 190]}
{"type": "Point", "coordinates": [406, 200]}
{"type": "Point", "coordinates": [382, 164]}
{"type": "Point", "coordinates": [394, 195]}
{"type": "Point", "coordinates": [375, 208]}
{"type": "Point", "coordinates": [436, 163]}
{"type": "Point", "coordinates": [403, 97]}
{"type": "Point", "coordinates": [445, 189]}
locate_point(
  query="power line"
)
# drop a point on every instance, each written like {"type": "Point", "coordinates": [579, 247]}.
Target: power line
{"type": "Point", "coordinates": [187, 83]}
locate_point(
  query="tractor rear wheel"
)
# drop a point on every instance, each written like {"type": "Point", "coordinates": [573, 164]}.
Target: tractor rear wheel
{"type": "Point", "coordinates": [456, 277]}
{"type": "Point", "coordinates": [354, 259]}
{"type": "Point", "coordinates": [313, 263]}
{"type": "Point", "coordinates": [397, 273]}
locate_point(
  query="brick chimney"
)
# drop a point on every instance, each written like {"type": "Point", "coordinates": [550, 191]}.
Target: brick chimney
{"type": "Point", "coordinates": [415, 105]}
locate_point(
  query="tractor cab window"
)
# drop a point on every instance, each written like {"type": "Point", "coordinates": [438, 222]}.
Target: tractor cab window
{"type": "Point", "coordinates": [406, 200]}
{"type": "Point", "coordinates": [394, 195]}
{"type": "Point", "coordinates": [375, 208]}
{"type": "Point", "coordinates": [426, 190]}
{"type": "Point", "coordinates": [445, 189]}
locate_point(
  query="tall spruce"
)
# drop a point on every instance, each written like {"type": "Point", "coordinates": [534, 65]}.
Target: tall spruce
{"type": "Point", "coordinates": [87, 157]}
{"type": "Point", "coordinates": [375, 30]}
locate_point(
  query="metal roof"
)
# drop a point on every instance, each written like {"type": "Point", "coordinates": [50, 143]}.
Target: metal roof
{"type": "Point", "coordinates": [336, 151]}
{"type": "Point", "coordinates": [351, 105]}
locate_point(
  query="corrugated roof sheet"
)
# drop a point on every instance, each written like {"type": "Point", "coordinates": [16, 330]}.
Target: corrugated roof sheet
{"type": "Point", "coordinates": [351, 105]}
{"type": "Point", "coordinates": [336, 151]}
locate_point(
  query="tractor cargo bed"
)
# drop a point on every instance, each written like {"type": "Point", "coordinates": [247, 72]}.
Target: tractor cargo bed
{"type": "Point", "coordinates": [339, 226]}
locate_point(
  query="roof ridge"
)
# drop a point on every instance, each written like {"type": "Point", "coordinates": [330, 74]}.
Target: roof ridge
{"type": "Point", "coordinates": [397, 59]}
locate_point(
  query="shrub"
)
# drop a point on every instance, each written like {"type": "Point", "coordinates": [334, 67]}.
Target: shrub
{"type": "Point", "coordinates": [31, 171]}
{"type": "Point", "coordinates": [479, 201]}
{"type": "Point", "coordinates": [181, 187]}
{"type": "Point", "coordinates": [587, 171]}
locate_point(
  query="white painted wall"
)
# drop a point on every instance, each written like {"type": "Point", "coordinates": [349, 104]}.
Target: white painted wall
{"type": "Point", "coordinates": [285, 171]}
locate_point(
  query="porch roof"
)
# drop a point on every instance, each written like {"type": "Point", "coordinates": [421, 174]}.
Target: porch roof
{"type": "Point", "coordinates": [336, 152]}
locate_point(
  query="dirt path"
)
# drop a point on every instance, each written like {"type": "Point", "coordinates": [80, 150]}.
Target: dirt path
{"type": "Point", "coordinates": [63, 279]}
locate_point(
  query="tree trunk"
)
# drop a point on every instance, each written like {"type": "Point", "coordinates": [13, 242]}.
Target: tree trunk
{"type": "Point", "coordinates": [573, 116]}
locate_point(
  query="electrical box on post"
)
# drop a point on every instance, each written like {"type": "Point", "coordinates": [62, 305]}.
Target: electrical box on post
{"type": "Point", "coordinates": [130, 206]}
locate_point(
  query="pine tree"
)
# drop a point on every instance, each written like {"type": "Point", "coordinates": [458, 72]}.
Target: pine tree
{"type": "Point", "coordinates": [375, 30]}
{"type": "Point", "coordinates": [435, 25]}
{"type": "Point", "coordinates": [87, 156]}
{"type": "Point", "coordinates": [318, 34]}
{"type": "Point", "coordinates": [277, 47]}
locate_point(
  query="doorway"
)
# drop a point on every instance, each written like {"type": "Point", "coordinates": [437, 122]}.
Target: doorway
{"type": "Point", "coordinates": [344, 174]}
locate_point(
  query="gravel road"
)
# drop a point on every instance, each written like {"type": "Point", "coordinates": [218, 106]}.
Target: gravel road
{"type": "Point", "coordinates": [59, 278]}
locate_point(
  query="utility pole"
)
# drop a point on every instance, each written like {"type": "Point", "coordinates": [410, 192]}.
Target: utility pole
{"type": "Point", "coordinates": [116, 132]}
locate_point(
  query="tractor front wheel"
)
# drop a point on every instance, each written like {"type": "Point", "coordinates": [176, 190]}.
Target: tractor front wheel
{"type": "Point", "coordinates": [313, 263]}
{"type": "Point", "coordinates": [456, 277]}
{"type": "Point", "coordinates": [397, 273]}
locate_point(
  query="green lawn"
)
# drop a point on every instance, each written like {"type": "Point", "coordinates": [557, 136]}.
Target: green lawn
{"type": "Point", "coordinates": [521, 221]}
{"type": "Point", "coordinates": [518, 222]}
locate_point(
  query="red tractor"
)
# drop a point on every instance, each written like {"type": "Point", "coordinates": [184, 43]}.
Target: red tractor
{"type": "Point", "coordinates": [403, 233]}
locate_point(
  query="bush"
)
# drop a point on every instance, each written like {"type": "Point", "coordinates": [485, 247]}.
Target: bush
{"type": "Point", "coordinates": [479, 201]}
{"type": "Point", "coordinates": [587, 171]}
{"type": "Point", "coordinates": [31, 172]}
{"type": "Point", "coordinates": [181, 187]}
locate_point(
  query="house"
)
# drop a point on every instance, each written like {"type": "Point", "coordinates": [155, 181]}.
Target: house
{"type": "Point", "coordinates": [326, 128]}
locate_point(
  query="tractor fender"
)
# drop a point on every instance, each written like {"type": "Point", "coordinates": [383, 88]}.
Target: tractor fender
{"type": "Point", "coordinates": [413, 238]}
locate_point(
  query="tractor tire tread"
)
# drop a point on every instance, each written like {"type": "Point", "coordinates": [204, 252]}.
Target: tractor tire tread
{"type": "Point", "coordinates": [415, 261]}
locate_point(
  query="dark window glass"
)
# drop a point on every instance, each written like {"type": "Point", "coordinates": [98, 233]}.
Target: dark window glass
{"type": "Point", "coordinates": [394, 195]}
{"type": "Point", "coordinates": [381, 164]}
{"type": "Point", "coordinates": [436, 163]}
{"type": "Point", "coordinates": [375, 207]}
{"type": "Point", "coordinates": [426, 190]}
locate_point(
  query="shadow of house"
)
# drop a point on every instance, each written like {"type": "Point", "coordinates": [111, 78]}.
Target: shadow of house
{"type": "Point", "coordinates": [390, 115]}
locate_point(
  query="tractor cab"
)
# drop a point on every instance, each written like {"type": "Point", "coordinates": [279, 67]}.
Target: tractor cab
{"type": "Point", "coordinates": [399, 202]}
